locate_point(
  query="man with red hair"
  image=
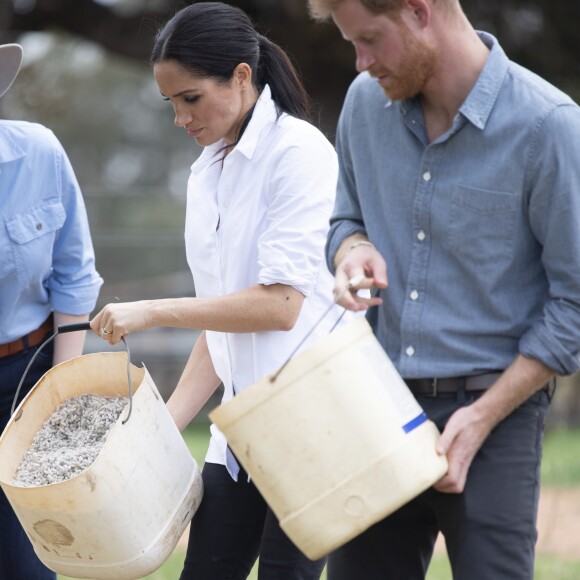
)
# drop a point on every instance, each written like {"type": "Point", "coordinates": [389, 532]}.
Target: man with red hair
{"type": "Point", "coordinates": [459, 171]}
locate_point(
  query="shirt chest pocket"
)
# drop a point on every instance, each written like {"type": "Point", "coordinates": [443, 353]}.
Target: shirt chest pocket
{"type": "Point", "coordinates": [32, 234]}
{"type": "Point", "coordinates": [482, 224]}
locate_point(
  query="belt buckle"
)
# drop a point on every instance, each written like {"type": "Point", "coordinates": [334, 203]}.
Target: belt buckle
{"type": "Point", "coordinates": [434, 390]}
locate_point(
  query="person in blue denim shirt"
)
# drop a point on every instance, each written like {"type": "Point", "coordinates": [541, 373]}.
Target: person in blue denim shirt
{"type": "Point", "coordinates": [459, 172]}
{"type": "Point", "coordinates": [47, 278]}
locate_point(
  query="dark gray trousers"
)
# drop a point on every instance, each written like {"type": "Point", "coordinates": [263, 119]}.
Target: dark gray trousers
{"type": "Point", "coordinates": [490, 528]}
{"type": "Point", "coordinates": [18, 561]}
{"type": "Point", "coordinates": [232, 527]}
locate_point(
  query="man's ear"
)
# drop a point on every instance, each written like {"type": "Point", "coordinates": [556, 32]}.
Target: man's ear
{"type": "Point", "coordinates": [419, 11]}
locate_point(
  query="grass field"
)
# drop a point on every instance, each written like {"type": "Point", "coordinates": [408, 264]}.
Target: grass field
{"type": "Point", "coordinates": [560, 467]}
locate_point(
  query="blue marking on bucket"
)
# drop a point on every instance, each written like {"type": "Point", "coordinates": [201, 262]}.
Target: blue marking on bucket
{"type": "Point", "coordinates": [414, 423]}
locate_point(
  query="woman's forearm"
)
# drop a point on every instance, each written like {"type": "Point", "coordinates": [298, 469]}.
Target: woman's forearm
{"type": "Point", "coordinates": [255, 309]}
{"type": "Point", "coordinates": [196, 385]}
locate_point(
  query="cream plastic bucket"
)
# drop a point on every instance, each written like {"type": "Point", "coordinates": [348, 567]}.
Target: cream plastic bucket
{"type": "Point", "coordinates": [337, 441]}
{"type": "Point", "coordinates": [122, 516]}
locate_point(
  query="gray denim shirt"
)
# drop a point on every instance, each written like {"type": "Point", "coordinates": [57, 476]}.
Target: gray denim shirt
{"type": "Point", "coordinates": [480, 228]}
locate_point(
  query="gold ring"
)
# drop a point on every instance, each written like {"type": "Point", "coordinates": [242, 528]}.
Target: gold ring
{"type": "Point", "coordinates": [105, 331]}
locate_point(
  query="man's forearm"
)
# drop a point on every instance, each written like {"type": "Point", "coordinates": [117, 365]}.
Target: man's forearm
{"type": "Point", "coordinates": [519, 381]}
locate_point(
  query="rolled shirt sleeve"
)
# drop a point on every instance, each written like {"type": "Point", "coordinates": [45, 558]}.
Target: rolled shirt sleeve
{"type": "Point", "coordinates": [74, 283]}
{"type": "Point", "coordinates": [554, 210]}
{"type": "Point", "coordinates": [290, 249]}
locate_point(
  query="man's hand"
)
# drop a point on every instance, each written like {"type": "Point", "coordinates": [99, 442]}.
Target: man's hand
{"type": "Point", "coordinates": [360, 267]}
{"type": "Point", "coordinates": [461, 439]}
{"type": "Point", "coordinates": [469, 427]}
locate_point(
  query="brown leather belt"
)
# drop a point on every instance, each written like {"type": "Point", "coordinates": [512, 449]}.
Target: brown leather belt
{"type": "Point", "coordinates": [34, 338]}
{"type": "Point", "coordinates": [436, 386]}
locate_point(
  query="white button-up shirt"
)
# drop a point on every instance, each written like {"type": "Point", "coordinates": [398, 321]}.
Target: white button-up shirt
{"type": "Point", "coordinates": [262, 218]}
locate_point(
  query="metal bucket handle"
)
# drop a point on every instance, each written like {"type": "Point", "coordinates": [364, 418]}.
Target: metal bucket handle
{"type": "Point", "coordinates": [74, 328]}
{"type": "Point", "coordinates": [351, 284]}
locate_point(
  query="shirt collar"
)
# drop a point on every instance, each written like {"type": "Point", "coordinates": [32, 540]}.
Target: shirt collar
{"type": "Point", "coordinates": [480, 101]}
{"type": "Point", "coordinates": [478, 105]}
{"type": "Point", "coordinates": [264, 114]}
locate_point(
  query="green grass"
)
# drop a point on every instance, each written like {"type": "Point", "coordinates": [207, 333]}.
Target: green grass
{"type": "Point", "coordinates": [561, 461]}
{"type": "Point", "coordinates": [560, 467]}
{"type": "Point", "coordinates": [197, 436]}
{"type": "Point", "coordinates": [547, 568]}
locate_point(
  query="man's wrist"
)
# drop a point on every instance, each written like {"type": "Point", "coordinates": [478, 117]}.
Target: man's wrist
{"type": "Point", "coordinates": [359, 243]}
{"type": "Point", "coordinates": [349, 244]}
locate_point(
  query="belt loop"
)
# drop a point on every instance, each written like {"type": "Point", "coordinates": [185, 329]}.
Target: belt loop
{"type": "Point", "coordinates": [461, 382]}
{"type": "Point", "coordinates": [25, 343]}
{"type": "Point", "coordinates": [434, 387]}
{"type": "Point", "coordinates": [551, 389]}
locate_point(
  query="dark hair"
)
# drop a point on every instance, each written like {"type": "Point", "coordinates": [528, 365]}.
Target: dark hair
{"type": "Point", "coordinates": [211, 38]}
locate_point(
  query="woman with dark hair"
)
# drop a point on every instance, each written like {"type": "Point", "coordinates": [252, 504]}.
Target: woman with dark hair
{"type": "Point", "coordinates": [259, 201]}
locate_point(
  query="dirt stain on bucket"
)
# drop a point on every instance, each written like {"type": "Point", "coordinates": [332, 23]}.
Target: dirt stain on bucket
{"type": "Point", "coordinates": [53, 533]}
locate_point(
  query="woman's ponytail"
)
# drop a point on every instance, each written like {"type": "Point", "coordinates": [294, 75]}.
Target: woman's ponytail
{"type": "Point", "coordinates": [276, 70]}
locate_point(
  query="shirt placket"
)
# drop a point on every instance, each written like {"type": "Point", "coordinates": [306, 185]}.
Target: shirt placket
{"type": "Point", "coordinates": [416, 284]}
{"type": "Point", "coordinates": [225, 191]}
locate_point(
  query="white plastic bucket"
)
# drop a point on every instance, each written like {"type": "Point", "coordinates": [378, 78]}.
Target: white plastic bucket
{"type": "Point", "coordinates": [122, 516]}
{"type": "Point", "coordinates": [336, 442]}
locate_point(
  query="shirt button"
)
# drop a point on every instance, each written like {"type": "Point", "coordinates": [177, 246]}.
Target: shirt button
{"type": "Point", "coordinates": [410, 351]}
{"type": "Point", "coordinates": [414, 295]}
{"type": "Point", "coordinates": [427, 176]}
{"type": "Point", "coordinates": [421, 235]}
{"type": "Point", "coordinates": [39, 226]}
{"type": "Point", "coordinates": [227, 204]}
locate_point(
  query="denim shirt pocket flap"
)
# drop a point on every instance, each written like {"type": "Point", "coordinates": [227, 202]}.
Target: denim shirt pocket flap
{"type": "Point", "coordinates": [37, 221]}
{"type": "Point", "coordinates": [482, 224]}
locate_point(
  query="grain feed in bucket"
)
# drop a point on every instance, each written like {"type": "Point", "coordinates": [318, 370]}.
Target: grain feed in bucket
{"type": "Point", "coordinates": [336, 442]}
{"type": "Point", "coordinates": [69, 440]}
{"type": "Point", "coordinates": [121, 517]}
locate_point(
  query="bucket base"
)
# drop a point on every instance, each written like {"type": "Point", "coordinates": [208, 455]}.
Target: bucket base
{"type": "Point", "coordinates": [150, 559]}
{"type": "Point", "coordinates": [369, 496]}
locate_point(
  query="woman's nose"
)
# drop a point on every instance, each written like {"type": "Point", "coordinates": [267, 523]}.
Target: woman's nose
{"type": "Point", "coordinates": [182, 118]}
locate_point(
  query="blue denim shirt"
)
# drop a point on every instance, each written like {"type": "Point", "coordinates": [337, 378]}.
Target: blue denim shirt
{"type": "Point", "coordinates": [46, 255]}
{"type": "Point", "coordinates": [480, 229]}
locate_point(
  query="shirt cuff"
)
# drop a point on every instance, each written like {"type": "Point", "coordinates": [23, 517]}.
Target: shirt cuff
{"type": "Point", "coordinates": [539, 344]}
{"type": "Point", "coordinates": [78, 300]}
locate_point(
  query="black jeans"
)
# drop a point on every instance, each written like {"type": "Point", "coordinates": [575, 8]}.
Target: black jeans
{"type": "Point", "coordinates": [232, 527]}
{"type": "Point", "coordinates": [490, 528]}
{"type": "Point", "coordinates": [18, 561]}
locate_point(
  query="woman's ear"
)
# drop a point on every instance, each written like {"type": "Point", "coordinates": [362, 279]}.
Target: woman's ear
{"type": "Point", "coordinates": [243, 76]}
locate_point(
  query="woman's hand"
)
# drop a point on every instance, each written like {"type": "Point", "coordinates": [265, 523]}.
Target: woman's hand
{"type": "Point", "coordinates": [115, 321]}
